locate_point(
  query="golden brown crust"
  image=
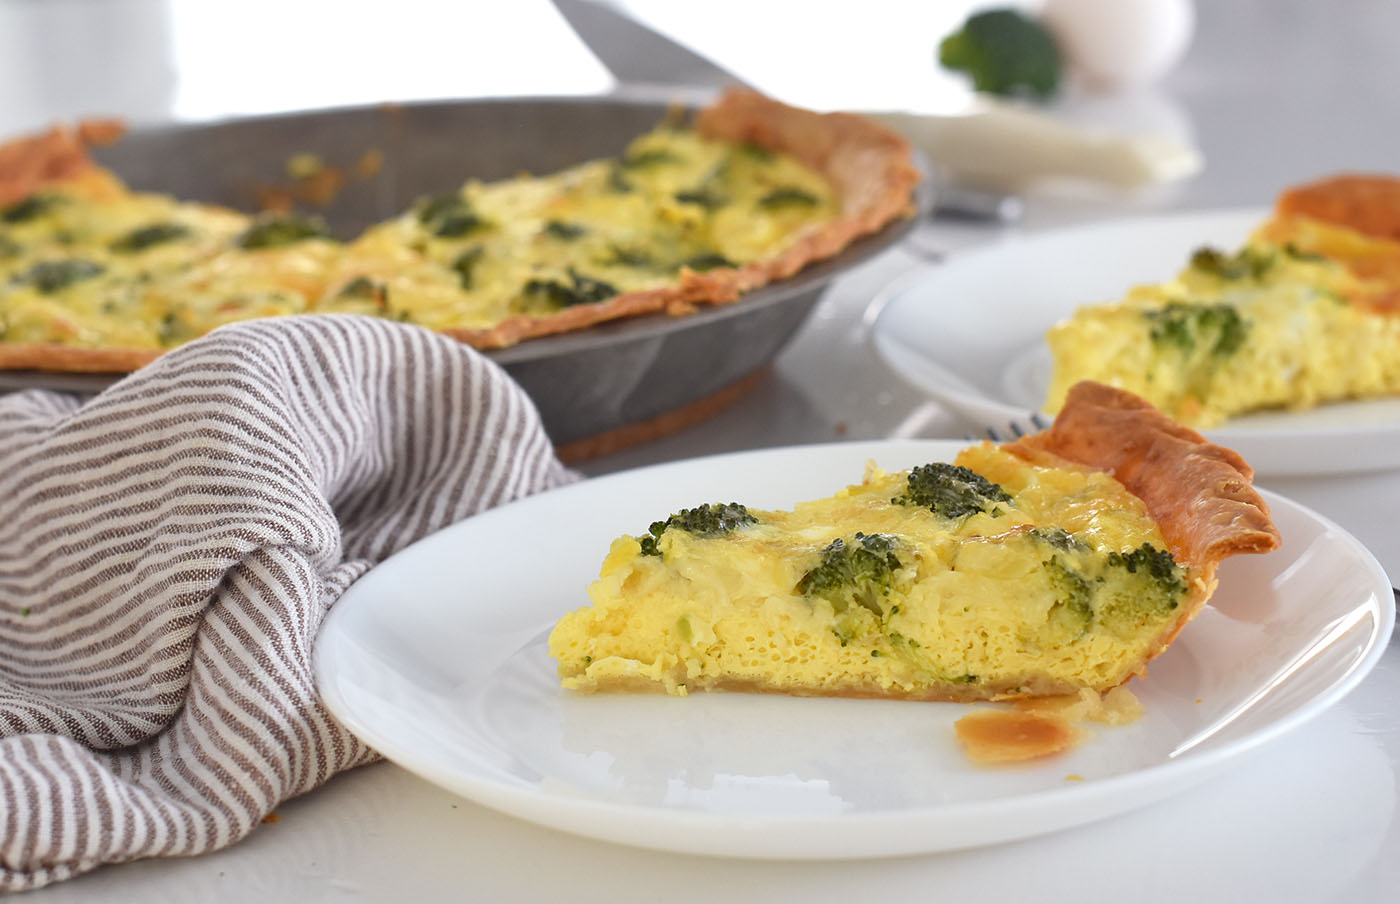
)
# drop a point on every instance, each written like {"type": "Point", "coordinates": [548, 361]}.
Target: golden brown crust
{"type": "Point", "coordinates": [1198, 493]}
{"type": "Point", "coordinates": [1350, 218]}
{"type": "Point", "coordinates": [1366, 202]}
{"type": "Point", "coordinates": [73, 358]}
{"type": "Point", "coordinates": [947, 692]}
{"type": "Point", "coordinates": [870, 166]}
{"type": "Point", "coordinates": [32, 163]}
{"type": "Point", "coordinates": [1373, 262]}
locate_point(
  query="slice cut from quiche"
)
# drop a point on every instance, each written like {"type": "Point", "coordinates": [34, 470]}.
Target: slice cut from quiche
{"type": "Point", "coordinates": [1065, 560]}
{"type": "Point", "coordinates": [1307, 312]}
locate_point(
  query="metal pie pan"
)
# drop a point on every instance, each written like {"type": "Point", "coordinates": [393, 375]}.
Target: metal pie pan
{"type": "Point", "coordinates": [585, 383]}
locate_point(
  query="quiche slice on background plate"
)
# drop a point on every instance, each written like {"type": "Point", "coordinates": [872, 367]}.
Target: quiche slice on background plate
{"type": "Point", "coordinates": [1306, 312]}
{"type": "Point", "coordinates": [1284, 350]}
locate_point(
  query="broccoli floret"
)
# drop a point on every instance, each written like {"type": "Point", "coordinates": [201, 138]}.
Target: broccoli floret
{"type": "Point", "coordinates": [275, 232]}
{"type": "Point", "coordinates": [1298, 254]}
{"type": "Point", "coordinates": [465, 265]}
{"type": "Point", "coordinates": [617, 181]}
{"type": "Point", "coordinates": [786, 197]}
{"type": "Point", "coordinates": [1005, 52]}
{"type": "Point", "coordinates": [1217, 328]}
{"type": "Point", "coordinates": [436, 209]}
{"type": "Point", "coordinates": [26, 210]}
{"type": "Point", "coordinates": [708, 520]}
{"type": "Point", "coordinates": [1249, 262]}
{"type": "Point", "coordinates": [649, 159]}
{"type": "Point", "coordinates": [1142, 585]}
{"type": "Point", "coordinates": [756, 153]}
{"type": "Point", "coordinates": [702, 196]}
{"type": "Point", "coordinates": [858, 573]}
{"type": "Point", "coordinates": [449, 216]}
{"type": "Point", "coordinates": [951, 491]}
{"type": "Point", "coordinates": [48, 277]}
{"type": "Point", "coordinates": [708, 261]}
{"type": "Point", "coordinates": [1157, 564]}
{"type": "Point", "coordinates": [149, 236]}
{"type": "Point", "coordinates": [362, 288]}
{"type": "Point", "coordinates": [1073, 610]}
{"type": "Point", "coordinates": [585, 290]}
{"type": "Point", "coordinates": [566, 232]}
{"type": "Point", "coordinates": [620, 256]}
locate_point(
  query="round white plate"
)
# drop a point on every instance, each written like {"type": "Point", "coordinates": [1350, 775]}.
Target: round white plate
{"type": "Point", "coordinates": [970, 333]}
{"type": "Point", "coordinates": [437, 658]}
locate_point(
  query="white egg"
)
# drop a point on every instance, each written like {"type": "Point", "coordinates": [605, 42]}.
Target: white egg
{"type": "Point", "coordinates": [1113, 43]}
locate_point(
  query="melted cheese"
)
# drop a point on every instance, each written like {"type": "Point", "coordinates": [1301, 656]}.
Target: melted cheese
{"type": "Point", "coordinates": [535, 245]}
{"type": "Point", "coordinates": [1022, 597]}
{"type": "Point", "coordinates": [93, 264]}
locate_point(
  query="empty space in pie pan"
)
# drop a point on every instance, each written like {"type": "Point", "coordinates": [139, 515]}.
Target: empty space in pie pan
{"type": "Point", "coordinates": [587, 383]}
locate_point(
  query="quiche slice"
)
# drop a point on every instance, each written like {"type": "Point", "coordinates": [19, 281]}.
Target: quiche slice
{"type": "Point", "coordinates": [1307, 312]}
{"type": "Point", "coordinates": [94, 276]}
{"type": "Point", "coordinates": [1065, 560]}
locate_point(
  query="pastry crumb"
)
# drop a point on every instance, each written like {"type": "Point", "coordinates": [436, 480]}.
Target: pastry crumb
{"type": "Point", "coordinates": [1001, 736]}
{"type": "Point", "coordinates": [1042, 726]}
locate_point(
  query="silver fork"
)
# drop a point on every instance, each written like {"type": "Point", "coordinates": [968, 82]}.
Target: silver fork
{"type": "Point", "coordinates": [1015, 428]}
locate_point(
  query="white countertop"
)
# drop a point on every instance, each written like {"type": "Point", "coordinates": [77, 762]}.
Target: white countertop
{"type": "Point", "coordinates": [1273, 93]}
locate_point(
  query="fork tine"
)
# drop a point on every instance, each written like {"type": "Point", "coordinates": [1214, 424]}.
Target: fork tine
{"type": "Point", "coordinates": [1016, 428]}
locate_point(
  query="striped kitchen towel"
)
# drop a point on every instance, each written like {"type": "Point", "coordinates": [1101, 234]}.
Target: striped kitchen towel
{"type": "Point", "coordinates": [169, 548]}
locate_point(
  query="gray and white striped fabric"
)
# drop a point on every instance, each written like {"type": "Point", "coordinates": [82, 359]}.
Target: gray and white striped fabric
{"type": "Point", "coordinates": [169, 548]}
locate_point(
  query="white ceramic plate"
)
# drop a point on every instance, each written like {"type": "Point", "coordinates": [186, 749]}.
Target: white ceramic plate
{"type": "Point", "coordinates": [970, 333]}
{"type": "Point", "coordinates": [437, 659]}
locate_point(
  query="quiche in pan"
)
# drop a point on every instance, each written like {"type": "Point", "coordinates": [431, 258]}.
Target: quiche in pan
{"type": "Point", "coordinates": [1306, 312]}
{"type": "Point", "coordinates": [97, 277]}
{"type": "Point", "coordinates": [1063, 561]}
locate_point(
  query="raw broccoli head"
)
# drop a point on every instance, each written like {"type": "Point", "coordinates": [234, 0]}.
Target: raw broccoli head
{"type": "Point", "coordinates": [1004, 52]}
{"type": "Point", "coordinates": [708, 520]}
{"type": "Point", "coordinates": [858, 573]}
{"type": "Point", "coordinates": [950, 490]}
